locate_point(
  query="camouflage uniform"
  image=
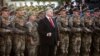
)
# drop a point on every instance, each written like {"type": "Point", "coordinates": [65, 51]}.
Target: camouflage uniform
{"type": "Point", "coordinates": [5, 37]}
{"type": "Point", "coordinates": [96, 37]}
{"type": "Point", "coordinates": [86, 36]}
{"type": "Point", "coordinates": [75, 37]}
{"type": "Point", "coordinates": [32, 40]}
{"type": "Point", "coordinates": [19, 37]}
{"type": "Point", "coordinates": [64, 34]}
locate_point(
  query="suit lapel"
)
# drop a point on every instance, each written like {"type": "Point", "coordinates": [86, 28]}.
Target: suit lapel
{"type": "Point", "coordinates": [47, 23]}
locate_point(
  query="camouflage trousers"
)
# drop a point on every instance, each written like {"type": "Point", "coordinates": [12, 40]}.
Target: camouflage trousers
{"type": "Point", "coordinates": [31, 47]}
{"type": "Point", "coordinates": [86, 44]}
{"type": "Point", "coordinates": [19, 45]}
{"type": "Point", "coordinates": [96, 45]}
{"type": "Point", "coordinates": [64, 44]}
{"type": "Point", "coordinates": [5, 45]}
{"type": "Point", "coordinates": [75, 44]}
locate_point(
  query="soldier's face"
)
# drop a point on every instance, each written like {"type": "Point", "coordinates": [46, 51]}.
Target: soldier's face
{"type": "Point", "coordinates": [63, 13]}
{"type": "Point", "coordinates": [21, 12]}
{"type": "Point", "coordinates": [41, 15]}
{"type": "Point", "coordinates": [88, 13]}
{"type": "Point", "coordinates": [96, 13]}
{"type": "Point", "coordinates": [32, 17]}
{"type": "Point", "coordinates": [5, 13]}
{"type": "Point", "coordinates": [76, 13]}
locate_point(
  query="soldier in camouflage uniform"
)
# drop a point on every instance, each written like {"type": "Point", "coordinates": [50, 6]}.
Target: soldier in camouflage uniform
{"type": "Point", "coordinates": [87, 34]}
{"type": "Point", "coordinates": [96, 35]}
{"type": "Point", "coordinates": [75, 37]}
{"type": "Point", "coordinates": [20, 33]}
{"type": "Point", "coordinates": [32, 40]}
{"type": "Point", "coordinates": [5, 33]}
{"type": "Point", "coordinates": [64, 32]}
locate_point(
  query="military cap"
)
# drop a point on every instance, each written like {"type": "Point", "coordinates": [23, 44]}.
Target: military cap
{"type": "Point", "coordinates": [86, 10]}
{"type": "Point", "coordinates": [75, 9]}
{"type": "Point", "coordinates": [60, 10]}
{"type": "Point", "coordinates": [96, 10]}
{"type": "Point", "coordinates": [34, 13]}
{"type": "Point", "coordinates": [19, 9]}
{"type": "Point", "coordinates": [4, 9]}
{"type": "Point", "coordinates": [63, 9]}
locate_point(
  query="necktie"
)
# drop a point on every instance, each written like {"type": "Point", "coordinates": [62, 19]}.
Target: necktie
{"type": "Point", "coordinates": [51, 22]}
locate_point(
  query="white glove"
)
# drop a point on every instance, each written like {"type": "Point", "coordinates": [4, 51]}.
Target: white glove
{"type": "Point", "coordinates": [49, 34]}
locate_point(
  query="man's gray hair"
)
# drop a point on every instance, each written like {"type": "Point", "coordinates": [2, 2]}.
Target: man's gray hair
{"type": "Point", "coordinates": [48, 9]}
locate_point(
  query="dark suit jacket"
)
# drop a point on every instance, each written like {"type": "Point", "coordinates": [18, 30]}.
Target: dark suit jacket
{"type": "Point", "coordinates": [44, 27]}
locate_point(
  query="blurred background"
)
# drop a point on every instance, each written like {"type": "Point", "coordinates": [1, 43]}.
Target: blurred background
{"type": "Point", "coordinates": [18, 3]}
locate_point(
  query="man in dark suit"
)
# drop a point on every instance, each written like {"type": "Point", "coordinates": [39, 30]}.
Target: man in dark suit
{"type": "Point", "coordinates": [48, 33]}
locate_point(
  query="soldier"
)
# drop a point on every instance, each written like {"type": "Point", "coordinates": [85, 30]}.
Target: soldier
{"type": "Point", "coordinates": [5, 33]}
{"type": "Point", "coordinates": [64, 32]}
{"type": "Point", "coordinates": [41, 15]}
{"type": "Point", "coordinates": [32, 41]}
{"type": "Point", "coordinates": [96, 36]}
{"type": "Point", "coordinates": [75, 37]}
{"type": "Point", "coordinates": [20, 33]}
{"type": "Point", "coordinates": [87, 34]}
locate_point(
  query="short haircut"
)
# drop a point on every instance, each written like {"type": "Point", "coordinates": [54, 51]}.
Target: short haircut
{"type": "Point", "coordinates": [48, 9]}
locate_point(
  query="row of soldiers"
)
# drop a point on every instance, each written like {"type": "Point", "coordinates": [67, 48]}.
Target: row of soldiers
{"type": "Point", "coordinates": [79, 36]}
{"type": "Point", "coordinates": [18, 34]}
